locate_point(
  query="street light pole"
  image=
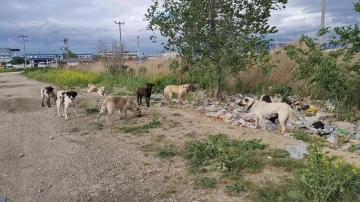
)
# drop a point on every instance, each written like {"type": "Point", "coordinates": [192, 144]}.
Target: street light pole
{"type": "Point", "coordinates": [121, 45]}
{"type": "Point", "coordinates": [23, 39]}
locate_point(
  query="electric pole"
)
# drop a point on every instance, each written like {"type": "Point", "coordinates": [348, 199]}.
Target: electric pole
{"type": "Point", "coordinates": [121, 45]}
{"type": "Point", "coordinates": [23, 39]}
{"type": "Point", "coordinates": [322, 20]}
{"type": "Point", "coordinates": [138, 46]}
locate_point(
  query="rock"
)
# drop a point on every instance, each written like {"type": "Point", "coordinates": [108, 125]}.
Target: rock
{"type": "Point", "coordinates": [51, 137]}
{"type": "Point", "coordinates": [21, 155]}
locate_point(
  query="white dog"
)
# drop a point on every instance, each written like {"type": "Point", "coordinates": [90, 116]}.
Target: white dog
{"type": "Point", "coordinates": [264, 110]}
{"type": "Point", "coordinates": [122, 103]}
{"type": "Point", "coordinates": [178, 90]}
{"type": "Point", "coordinates": [91, 88]}
{"type": "Point", "coordinates": [102, 91]}
{"type": "Point", "coordinates": [47, 92]}
{"type": "Point", "coordinates": [66, 99]}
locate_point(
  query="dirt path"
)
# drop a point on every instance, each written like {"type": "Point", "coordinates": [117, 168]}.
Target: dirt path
{"type": "Point", "coordinates": [45, 158]}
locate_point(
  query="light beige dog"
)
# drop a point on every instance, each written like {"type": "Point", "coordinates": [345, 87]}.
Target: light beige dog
{"type": "Point", "coordinates": [102, 91]}
{"type": "Point", "coordinates": [263, 110]}
{"type": "Point", "coordinates": [178, 90]}
{"type": "Point", "coordinates": [122, 103]}
{"type": "Point", "coordinates": [91, 88]}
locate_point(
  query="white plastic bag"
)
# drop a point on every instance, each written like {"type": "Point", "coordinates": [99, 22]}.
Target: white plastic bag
{"type": "Point", "coordinates": [297, 150]}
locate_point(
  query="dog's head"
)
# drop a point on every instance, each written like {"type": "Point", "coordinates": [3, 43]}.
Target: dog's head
{"type": "Point", "coordinates": [185, 87]}
{"type": "Point", "coordinates": [102, 91]}
{"type": "Point", "coordinates": [149, 85]}
{"type": "Point", "coordinates": [71, 95]}
{"type": "Point", "coordinates": [137, 111]}
{"type": "Point", "coordinates": [246, 102]}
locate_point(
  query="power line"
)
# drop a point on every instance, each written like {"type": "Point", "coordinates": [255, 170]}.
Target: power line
{"type": "Point", "coordinates": [23, 39]}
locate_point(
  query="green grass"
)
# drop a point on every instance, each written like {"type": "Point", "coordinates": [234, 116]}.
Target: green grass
{"type": "Point", "coordinates": [136, 129]}
{"type": "Point", "coordinates": [301, 135]}
{"type": "Point", "coordinates": [205, 183]}
{"type": "Point", "coordinates": [77, 78]}
{"type": "Point", "coordinates": [11, 70]}
{"type": "Point", "coordinates": [166, 152]}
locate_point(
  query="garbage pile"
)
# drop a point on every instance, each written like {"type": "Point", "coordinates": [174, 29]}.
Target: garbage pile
{"type": "Point", "coordinates": [311, 119]}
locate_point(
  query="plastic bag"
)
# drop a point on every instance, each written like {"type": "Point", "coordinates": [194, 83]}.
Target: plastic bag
{"type": "Point", "coordinates": [297, 150]}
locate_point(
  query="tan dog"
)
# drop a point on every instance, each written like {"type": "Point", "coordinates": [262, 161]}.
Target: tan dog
{"type": "Point", "coordinates": [91, 88]}
{"type": "Point", "coordinates": [264, 110]}
{"type": "Point", "coordinates": [178, 90]}
{"type": "Point", "coordinates": [122, 103]}
{"type": "Point", "coordinates": [102, 91]}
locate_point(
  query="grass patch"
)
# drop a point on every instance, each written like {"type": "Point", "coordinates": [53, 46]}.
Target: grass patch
{"type": "Point", "coordinates": [322, 178]}
{"type": "Point", "coordinates": [301, 135]}
{"type": "Point", "coordinates": [205, 183]}
{"type": "Point", "coordinates": [92, 110]}
{"type": "Point", "coordinates": [11, 70]}
{"type": "Point", "coordinates": [145, 128]}
{"type": "Point", "coordinates": [78, 78]}
{"type": "Point", "coordinates": [166, 152]}
{"type": "Point", "coordinates": [235, 188]}
{"type": "Point", "coordinates": [98, 126]}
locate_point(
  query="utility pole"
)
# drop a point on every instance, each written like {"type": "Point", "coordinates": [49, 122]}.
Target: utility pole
{"type": "Point", "coordinates": [138, 46]}
{"type": "Point", "coordinates": [23, 39]}
{"type": "Point", "coordinates": [121, 44]}
{"type": "Point", "coordinates": [322, 20]}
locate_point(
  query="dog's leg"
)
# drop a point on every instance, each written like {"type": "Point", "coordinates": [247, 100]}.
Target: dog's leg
{"type": "Point", "coordinates": [120, 113]}
{"type": "Point", "coordinates": [283, 118]}
{"type": "Point", "coordinates": [48, 101]}
{"type": "Point", "coordinates": [110, 112]}
{"type": "Point", "coordinates": [66, 105]}
{"type": "Point", "coordinates": [147, 99]}
{"type": "Point", "coordinates": [42, 98]}
{"type": "Point", "coordinates": [58, 105]}
{"type": "Point", "coordinates": [262, 121]}
{"type": "Point", "coordinates": [98, 116]}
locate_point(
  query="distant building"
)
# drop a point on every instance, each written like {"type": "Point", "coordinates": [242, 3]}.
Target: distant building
{"type": "Point", "coordinates": [126, 54]}
{"type": "Point", "coordinates": [6, 54]}
{"type": "Point", "coordinates": [76, 61]}
{"type": "Point", "coordinates": [34, 59]}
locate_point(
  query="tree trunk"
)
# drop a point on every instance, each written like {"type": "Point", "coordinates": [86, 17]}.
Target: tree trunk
{"type": "Point", "coordinates": [218, 93]}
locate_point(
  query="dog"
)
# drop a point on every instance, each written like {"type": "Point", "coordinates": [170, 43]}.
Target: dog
{"type": "Point", "coordinates": [91, 88]}
{"type": "Point", "coordinates": [263, 110]}
{"type": "Point", "coordinates": [178, 90]}
{"type": "Point", "coordinates": [146, 92]}
{"type": "Point", "coordinates": [122, 103]}
{"type": "Point", "coordinates": [102, 91]}
{"type": "Point", "coordinates": [65, 100]}
{"type": "Point", "coordinates": [268, 99]}
{"type": "Point", "coordinates": [47, 92]}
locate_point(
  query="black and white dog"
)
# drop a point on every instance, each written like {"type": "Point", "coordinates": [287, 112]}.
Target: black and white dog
{"type": "Point", "coordinates": [47, 92]}
{"type": "Point", "coordinates": [66, 99]}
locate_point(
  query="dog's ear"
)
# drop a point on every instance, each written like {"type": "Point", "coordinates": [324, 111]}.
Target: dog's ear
{"type": "Point", "coordinates": [69, 94]}
{"type": "Point", "coordinates": [50, 88]}
{"type": "Point", "coordinates": [74, 94]}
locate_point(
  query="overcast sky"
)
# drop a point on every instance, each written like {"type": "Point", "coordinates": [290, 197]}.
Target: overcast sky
{"type": "Point", "coordinates": [85, 22]}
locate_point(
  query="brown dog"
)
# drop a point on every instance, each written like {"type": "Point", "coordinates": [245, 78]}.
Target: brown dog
{"type": "Point", "coordinates": [146, 92]}
{"type": "Point", "coordinates": [122, 103]}
{"type": "Point", "coordinates": [178, 90]}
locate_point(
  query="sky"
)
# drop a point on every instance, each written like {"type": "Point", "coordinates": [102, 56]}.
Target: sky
{"type": "Point", "coordinates": [86, 22]}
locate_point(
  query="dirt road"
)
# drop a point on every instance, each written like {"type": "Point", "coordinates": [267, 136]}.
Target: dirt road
{"type": "Point", "coordinates": [45, 158]}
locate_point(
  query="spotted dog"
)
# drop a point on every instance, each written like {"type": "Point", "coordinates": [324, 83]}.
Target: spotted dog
{"type": "Point", "coordinates": [47, 92]}
{"type": "Point", "coordinates": [65, 100]}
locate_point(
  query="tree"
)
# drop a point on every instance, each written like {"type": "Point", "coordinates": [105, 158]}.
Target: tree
{"type": "Point", "coordinates": [225, 35]}
{"type": "Point", "coordinates": [333, 74]}
{"type": "Point", "coordinates": [69, 54]}
{"type": "Point", "coordinates": [17, 60]}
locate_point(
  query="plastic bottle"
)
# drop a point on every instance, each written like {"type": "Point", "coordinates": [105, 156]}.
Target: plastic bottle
{"type": "Point", "coordinates": [332, 130]}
